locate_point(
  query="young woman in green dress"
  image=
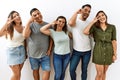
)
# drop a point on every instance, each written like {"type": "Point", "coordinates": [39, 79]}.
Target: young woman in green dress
{"type": "Point", "coordinates": [104, 52]}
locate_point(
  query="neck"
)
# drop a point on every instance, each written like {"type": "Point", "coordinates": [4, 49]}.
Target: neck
{"type": "Point", "coordinates": [40, 22]}
{"type": "Point", "coordinates": [103, 25]}
{"type": "Point", "coordinates": [17, 25]}
{"type": "Point", "coordinates": [59, 29]}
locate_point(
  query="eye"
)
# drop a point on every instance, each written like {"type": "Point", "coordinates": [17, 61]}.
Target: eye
{"type": "Point", "coordinates": [103, 15]}
{"type": "Point", "coordinates": [34, 15]}
{"type": "Point", "coordinates": [38, 13]}
{"type": "Point", "coordinates": [59, 20]}
{"type": "Point", "coordinates": [63, 22]}
{"type": "Point", "coordinates": [15, 15]}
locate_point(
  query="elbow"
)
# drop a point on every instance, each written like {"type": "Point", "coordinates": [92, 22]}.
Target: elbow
{"type": "Point", "coordinates": [86, 33]}
{"type": "Point", "coordinates": [25, 35]}
{"type": "Point", "coordinates": [71, 24]}
{"type": "Point", "coordinates": [41, 30]}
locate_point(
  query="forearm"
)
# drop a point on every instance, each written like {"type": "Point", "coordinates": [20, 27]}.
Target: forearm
{"type": "Point", "coordinates": [4, 29]}
{"type": "Point", "coordinates": [114, 43]}
{"type": "Point", "coordinates": [27, 30]}
{"type": "Point", "coordinates": [50, 44]}
{"type": "Point", "coordinates": [72, 21]}
{"type": "Point", "coordinates": [87, 29]}
{"type": "Point", "coordinates": [50, 47]}
{"type": "Point", "coordinates": [45, 29]}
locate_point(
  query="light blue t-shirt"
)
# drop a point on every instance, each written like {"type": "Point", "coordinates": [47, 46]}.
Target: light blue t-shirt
{"type": "Point", "coordinates": [61, 42]}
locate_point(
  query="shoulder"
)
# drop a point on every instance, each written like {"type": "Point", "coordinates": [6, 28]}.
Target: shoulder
{"type": "Point", "coordinates": [111, 26]}
{"type": "Point", "coordinates": [44, 22]}
{"type": "Point", "coordinates": [32, 24]}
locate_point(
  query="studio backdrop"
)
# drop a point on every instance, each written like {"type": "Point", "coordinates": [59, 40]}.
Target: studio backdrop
{"type": "Point", "coordinates": [50, 9]}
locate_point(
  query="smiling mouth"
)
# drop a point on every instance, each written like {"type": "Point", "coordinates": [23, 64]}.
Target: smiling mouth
{"type": "Point", "coordinates": [86, 15]}
{"type": "Point", "coordinates": [102, 19]}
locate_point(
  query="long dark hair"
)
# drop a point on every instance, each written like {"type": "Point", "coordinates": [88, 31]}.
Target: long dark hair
{"type": "Point", "coordinates": [64, 27]}
{"type": "Point", "coordinates": [97, 24]}
{"type": "Point", "coordinates": [10, 28]}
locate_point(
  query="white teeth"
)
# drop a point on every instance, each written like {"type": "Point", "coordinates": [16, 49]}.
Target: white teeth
{"type": "Point", "coordinates": [101, 19]}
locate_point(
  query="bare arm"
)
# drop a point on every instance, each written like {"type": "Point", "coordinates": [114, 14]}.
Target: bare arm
{"type": "Point", "coordinates": [87, 29]}
{"type": "Point", "coordinates": [27, 30]}
{"type": "Point", "coordinates": [72, 21]}
{"type": "Point", "coordinates": [114, 43]}
{"type": "Point", "coordinates": [45, 29]}
{"type": "Point", "coordinates": [70, 35]}
{"type": "Point", "coordinates": [3, 30]}
{"type": "Point", "coordinates": [50, 46]}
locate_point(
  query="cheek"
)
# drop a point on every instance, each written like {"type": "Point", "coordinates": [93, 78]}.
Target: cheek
{"type": "Point", "coordinates": [63, 24]}
{"type": "Point", "coordinates": [41, 16]}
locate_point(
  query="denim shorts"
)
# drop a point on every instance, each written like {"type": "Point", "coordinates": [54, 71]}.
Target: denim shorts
{"type": "Point", "coordinates": [16, 55]}
{"type": "Point", "coordinates": [44, 62]}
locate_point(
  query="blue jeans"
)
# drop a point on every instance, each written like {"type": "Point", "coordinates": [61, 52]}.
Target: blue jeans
{"type": "Point", "coordinates": [75, 59]}
{"type": "Point", "coordinates": [60, 63]}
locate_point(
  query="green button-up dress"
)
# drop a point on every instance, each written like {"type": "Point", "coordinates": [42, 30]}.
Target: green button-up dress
{"type": "Point", "coordinates": [103, 49]}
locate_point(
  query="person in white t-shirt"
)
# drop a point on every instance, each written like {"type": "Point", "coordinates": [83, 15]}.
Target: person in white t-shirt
{"type": "Point", "coordinates": [81, 42]}
{"type": "Point", "coordinates": [15, 44]}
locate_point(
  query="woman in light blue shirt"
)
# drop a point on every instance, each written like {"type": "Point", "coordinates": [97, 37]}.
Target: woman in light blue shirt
{"type": "Point", "coordinates": [61, 40]}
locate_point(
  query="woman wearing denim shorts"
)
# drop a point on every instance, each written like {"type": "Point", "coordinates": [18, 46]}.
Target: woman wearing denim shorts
{"type": "Point", "coordinates": [15, 49]}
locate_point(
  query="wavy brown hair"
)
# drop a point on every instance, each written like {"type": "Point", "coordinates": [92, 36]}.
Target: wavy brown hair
{"type": "Point", "coordinates": [10, 28]}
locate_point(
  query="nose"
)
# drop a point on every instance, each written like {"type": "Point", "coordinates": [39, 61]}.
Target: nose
{"type": "Point", "coordinates": [37, 16]}
{"type": "Point", "coordinates": [61, 23]}
{"type": "Point", "coordinates": [87, 12]}
{"type": "Point", "coordinates": [17, 16]}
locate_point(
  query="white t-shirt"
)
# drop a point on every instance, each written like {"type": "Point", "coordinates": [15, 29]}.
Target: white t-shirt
{"type": "Point", "coordinates": [81, 42]}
